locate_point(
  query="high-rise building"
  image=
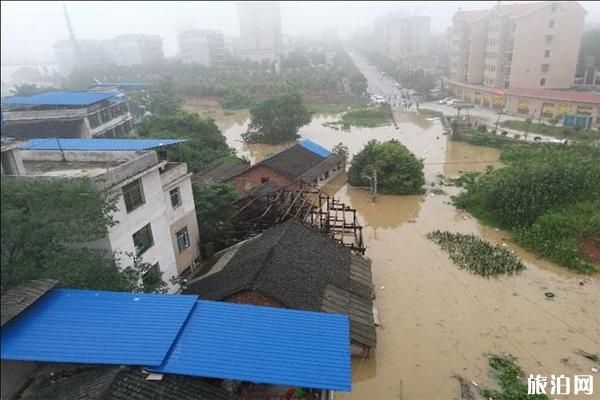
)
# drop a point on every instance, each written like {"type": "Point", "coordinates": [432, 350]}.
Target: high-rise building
{"type": "Point", "coordinates": [402, 37]}
{"type": "Point", "coordinates": [260, 30]}
{"type": "Point", "coordinates": [202, 46]}
{"type": "Point", "coordinates": [137, 49]}
{"type": "Point", "coordinates": [526, 45]}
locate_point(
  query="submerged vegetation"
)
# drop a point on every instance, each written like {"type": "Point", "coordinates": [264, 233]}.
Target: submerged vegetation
{"type": "Point", "coordinates": [548, 195]}
{"type": "Point", "coordinates": [476, 255]}
{"type": "Point", "coordinates": [398, 171]}
{"type": "Point", "coordinates": [366, 117]}
{"type": "Point", "coordinates": [511, 379]}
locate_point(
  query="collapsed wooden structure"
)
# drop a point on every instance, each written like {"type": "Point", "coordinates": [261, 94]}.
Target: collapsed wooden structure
{"type": "Point", "coordinates": [268, 205]}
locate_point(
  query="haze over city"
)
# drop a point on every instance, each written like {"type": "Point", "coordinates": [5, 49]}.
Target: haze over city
{"type": "Point", "coordinates": [101, 20]}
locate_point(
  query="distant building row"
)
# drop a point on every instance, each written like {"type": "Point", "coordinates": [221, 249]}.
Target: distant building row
{"type": "Point", "coordinates": [260, 39]}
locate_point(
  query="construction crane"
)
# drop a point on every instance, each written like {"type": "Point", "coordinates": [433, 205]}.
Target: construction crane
{"type": "Point", "coordinates": [72, 38]}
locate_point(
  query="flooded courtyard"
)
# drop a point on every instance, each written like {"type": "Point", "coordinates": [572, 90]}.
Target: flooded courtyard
{"type": "Point", "coordinates": [438, 321]}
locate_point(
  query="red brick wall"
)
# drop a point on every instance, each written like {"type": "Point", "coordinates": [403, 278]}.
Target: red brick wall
{"type": "Point", "coordinates": [252, 297]}
{"type": "Point", "coordinates": [252, 178]}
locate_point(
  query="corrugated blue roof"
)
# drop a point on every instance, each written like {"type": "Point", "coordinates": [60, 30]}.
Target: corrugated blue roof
{"type": "Point", "coordinates": [96, 327]}
{"type": "Point", "coordinates": [59, 98]}
{"type": "Point", "coordinates": [315, 148]}
{"type": "Point", "coordinates": [264, 345]}
{"type": "Point", "coordinates": [97, 144]}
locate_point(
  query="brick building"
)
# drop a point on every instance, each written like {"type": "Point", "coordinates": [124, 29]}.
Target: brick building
{"type": "Point", "coordinates": [305, 162]}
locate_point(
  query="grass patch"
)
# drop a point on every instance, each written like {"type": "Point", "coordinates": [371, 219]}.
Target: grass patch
{"type": "Point", "coordinates": [365, 118]}
{"type": "Point", "coordinates": [550, 130]}
{"type": "Point", "coordinates": [511, 379]}
{"type": "Point", "coordinates": [476, 255]}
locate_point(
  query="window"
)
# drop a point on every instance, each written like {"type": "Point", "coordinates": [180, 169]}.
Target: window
{"type": "Point", "coordinates": [545, 67]}
{"type": "Point", "coordinates": [183, 239]}
{"type": "Point", "coordinates": [549, 38]}
{"type": "Point", "coordinates": [133, 195]}
{"type": "Point", "coordinates": [153, 276]}
{"type": "Point", "coordinates": [542, 81]}
{"type": "Point", "coordinates": [546, 53]}
{"type": "Point", "coordinates": [175, 197]}
{"type": "Point", "coordinates": [143, 240]}
{"type": "Point", "coordinates": [551, 24]}
{"type": "Point", "coordinates": [264, 179]}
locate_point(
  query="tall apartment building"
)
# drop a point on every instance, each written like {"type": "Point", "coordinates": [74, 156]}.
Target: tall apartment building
{"type": "Point", "coordinates": [524, 45]}
{"type": "Point", "coordinates": [260, 30]}
{"type": "Point", "coordinates": [155, 208]}
{"type": "Point", "coordinates": [67, 114]}
{"type": "Point", "coordinates": [138, 49]}
{"type": "Point", "coordinates": [402, 37]}
{"type": "Point", "coordinates": [202, 46]}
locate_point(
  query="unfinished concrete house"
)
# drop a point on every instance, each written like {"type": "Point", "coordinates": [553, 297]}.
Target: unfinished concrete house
{"type": "Point", "coordinates": [66, 115]}
{"type": "Point", "coordinates": [292, 265]}
{"type": "Point", "coordinates": [156, 213]}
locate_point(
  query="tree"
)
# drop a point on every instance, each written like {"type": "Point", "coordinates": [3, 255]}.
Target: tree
{"type": "Point", "coordinates": [163, 98]}
{"type": "Point", "coordinates": [48, 231]}
{"type": "Point", "coordinates": [26, 89]}
{"type": "Point", "coordinates": [398, 170]}
{"type": "Point", "coordinates": [277, 120]}
{"type": "Point", "coordinates": [213, 211]}
{"type": "Point", "coordinates": [205, 142]}
{"type": "Point", "coordinates": [341, 150]}
{"type": "Point", "coordinates": [45, 226]}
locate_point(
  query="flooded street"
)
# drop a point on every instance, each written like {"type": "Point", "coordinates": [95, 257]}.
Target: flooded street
{"type": "Point", "coordinates": [437, 320]}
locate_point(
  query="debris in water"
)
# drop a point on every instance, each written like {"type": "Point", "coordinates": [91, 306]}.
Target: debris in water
{"type": "Point", "coordinates": [383, 287]}
{"type": "Point", "coordinates": [412, 220]}
{"type": "Point", "coordinates": [549, 295]}
{"type": "Point", "coordinates": [594, 369]}
{"type": "Point", "coordinates": [589, 356]}
{"type": "Point", "coordinates": [476, 255]}
{"type": "Point", "coordinates": [465, 389]}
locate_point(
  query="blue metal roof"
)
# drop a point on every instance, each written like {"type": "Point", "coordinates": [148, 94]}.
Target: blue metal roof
{"type": "Point", "coordinates": [264, 345]}
{"type": "Point", "coordinates": [97, 144]}
{"type": "Point", "coordinates": [315, 148]}
{"type": "Point", "coordinates": [59, 98]}
{"type": "Point", "coordinates": [96, 327]}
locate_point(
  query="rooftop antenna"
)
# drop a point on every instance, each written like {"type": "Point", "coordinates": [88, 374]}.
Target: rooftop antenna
{"type": "Point", "coordinates": [72, 38]}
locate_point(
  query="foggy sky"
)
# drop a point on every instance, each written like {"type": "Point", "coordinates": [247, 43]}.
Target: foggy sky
{"type": "Point", "coordinates": [30, 28]}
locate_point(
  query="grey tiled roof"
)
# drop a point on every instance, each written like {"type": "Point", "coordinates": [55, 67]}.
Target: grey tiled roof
{"type": "Point", "coordinates": [219, 172]}
{"type": "Point", "coordinates": [18, 298]}
{"type": "Point", "coordinates": [119, 383]}
{"type": "Point", "coordinates": [299, 267]}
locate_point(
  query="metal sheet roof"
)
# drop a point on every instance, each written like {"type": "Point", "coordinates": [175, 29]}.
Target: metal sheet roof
{"type": "Point", "coordinates": [97, 327]}
{"type": "Point", "coordinates": [264, 345]}
{"type": "Point", "coordinates": [59, 98]}
{"type": "Point", "coordinates": [124, 85]}
{"type": "Point", "coordinates": [97, 144]}
{"type": "Point", "coordinates": [315, 148]}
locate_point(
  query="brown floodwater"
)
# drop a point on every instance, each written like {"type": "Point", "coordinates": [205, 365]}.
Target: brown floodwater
{"type": "Point", "coordinates": [438, 321]}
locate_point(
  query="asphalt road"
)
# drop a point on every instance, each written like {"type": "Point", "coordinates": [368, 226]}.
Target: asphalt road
{"type": "Point", "coordinates": [377, 83]}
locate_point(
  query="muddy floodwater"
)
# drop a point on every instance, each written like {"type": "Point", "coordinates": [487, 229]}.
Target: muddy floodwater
{"type": "Point", "coordinates": [436, 320]}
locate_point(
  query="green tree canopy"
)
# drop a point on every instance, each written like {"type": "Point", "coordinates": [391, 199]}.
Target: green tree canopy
{"type": "Point", "coordinates": [213, 210]}
{"type": "Point", "coordinates": [30, 89]}
{"type": "Point", "coordinates": [46, 225]}
{"type": "Point", "coordinates": [277, 120]}
{"type": "Point", "coordinates": [205, 143]}
{"type": "Point", "coordinates": [398, 170]}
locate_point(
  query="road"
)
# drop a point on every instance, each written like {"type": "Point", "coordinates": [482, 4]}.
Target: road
{"type": "Point", "coordinates": [377, 83]}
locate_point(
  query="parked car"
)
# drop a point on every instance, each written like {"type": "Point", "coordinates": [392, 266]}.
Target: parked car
{"type": "Point", "coordinates": [444, 100]}
{"type": "Point", "coordinates": [451, 102]}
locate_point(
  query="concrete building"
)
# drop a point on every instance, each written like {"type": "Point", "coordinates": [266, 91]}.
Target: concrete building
{"type": "Point", "coordinates": [155, 210]}
{"type": "Point", "coordinates": [70, 54]}
{"type": "Point", "coordinates": [66, 114]}
{"type": "Point", "coordinates": [202, 46]}
{"type": "Point", "coordinates": [402, 37]}
{"type": "Point", "coordinates": [524, 45]}
{"type": "Point", "coordinates": [260, 30]}
{"type": "Point", "coordinates": [138, 49]}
